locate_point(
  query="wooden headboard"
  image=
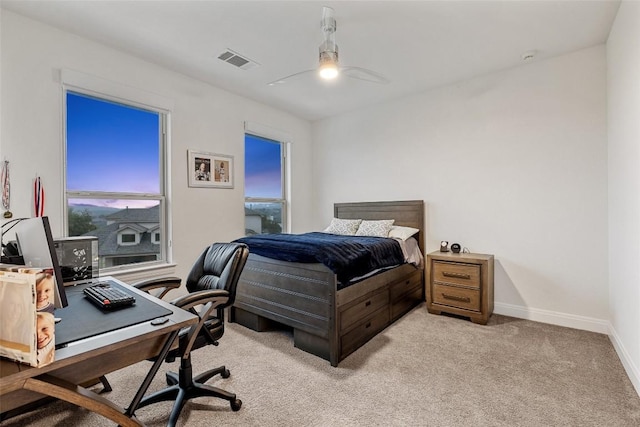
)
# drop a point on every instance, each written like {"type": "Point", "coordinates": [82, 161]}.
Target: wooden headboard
{"type": "Point", "coordinates": [409, 213]}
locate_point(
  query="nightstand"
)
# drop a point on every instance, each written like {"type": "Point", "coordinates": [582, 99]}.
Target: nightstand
{"type": "Point", "coordinates": [460, 284]}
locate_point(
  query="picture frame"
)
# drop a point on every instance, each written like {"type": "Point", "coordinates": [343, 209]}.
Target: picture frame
{"type": "Point", "coordinates": [209, 169]}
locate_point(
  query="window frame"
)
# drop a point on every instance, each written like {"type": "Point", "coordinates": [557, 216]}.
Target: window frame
{"type": "Point", "coordinates": [87, 85]}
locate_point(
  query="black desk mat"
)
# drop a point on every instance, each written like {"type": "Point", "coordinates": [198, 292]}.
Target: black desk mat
{"type": "Point", "coordinates": [81, 319]}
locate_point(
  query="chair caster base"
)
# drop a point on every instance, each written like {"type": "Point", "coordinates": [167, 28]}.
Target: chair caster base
{"type": "Point", "coordinates": [236, 405]}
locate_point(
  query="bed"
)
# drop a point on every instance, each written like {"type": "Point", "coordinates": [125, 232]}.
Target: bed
{"type": "Point", "coordinates": [329, 320]}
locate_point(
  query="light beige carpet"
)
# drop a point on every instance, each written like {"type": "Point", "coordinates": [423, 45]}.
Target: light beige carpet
{"type": "Point", "coordinates": [424, 370]}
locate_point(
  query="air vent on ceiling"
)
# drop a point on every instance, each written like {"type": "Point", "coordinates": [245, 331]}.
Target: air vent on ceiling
{"type": "Point", "coordinates": [238, 60]}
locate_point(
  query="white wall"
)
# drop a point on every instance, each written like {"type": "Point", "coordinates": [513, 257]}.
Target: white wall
{"type": "Point", "coordinates": [203, 118]}
{"type": "Point", "coordinates": [513, 163]}
{"type": "Point", "coordinates": [623, 89]}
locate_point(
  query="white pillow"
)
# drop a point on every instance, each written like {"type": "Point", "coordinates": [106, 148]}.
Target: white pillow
{"type": "Point", "coordinates": [379, 228]}
{"type": "Point", "coordinates": [402, 233]}
{"type": "Point", "coordinates": [346, 227]}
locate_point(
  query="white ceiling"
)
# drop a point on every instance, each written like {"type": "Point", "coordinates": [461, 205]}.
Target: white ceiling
{"type": "Point", "coordinates": [418, 45]}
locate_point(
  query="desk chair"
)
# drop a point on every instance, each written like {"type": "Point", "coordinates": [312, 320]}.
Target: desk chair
{"type": "Point", "coordinates": [212, 287]}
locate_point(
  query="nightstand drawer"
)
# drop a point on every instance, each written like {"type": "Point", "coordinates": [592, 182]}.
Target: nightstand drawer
{"type": "Point", "coordinates": [468, 299]}
{"type": "Point", "coordinates": [457, 273]}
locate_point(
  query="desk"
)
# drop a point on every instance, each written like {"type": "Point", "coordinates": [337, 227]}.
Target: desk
{"type": "Point", "coordinates": [87, 359]}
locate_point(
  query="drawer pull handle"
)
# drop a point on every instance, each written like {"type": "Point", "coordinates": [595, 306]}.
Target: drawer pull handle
{"type": "Point", "coordinates": [367, 304]}
{"type": "Point", "coordinates": [368, 325]}
{"type": "Point", "coordinates": [456, 275]}
{"type": "Point", "coordinates": [456, 298]}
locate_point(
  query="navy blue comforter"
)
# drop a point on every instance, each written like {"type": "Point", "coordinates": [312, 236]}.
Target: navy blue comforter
{"type": "Point", "coordinates": [347, 256]}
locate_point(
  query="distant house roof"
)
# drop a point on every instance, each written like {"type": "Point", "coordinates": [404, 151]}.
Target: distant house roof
{"type": "Point", "coordinates": [108, 246]}
{"type": "Point", "coordinates": [151, 214]}
{"type": "Point", "coordinates": [129, 218]}
{"type": "Point", "coordinates": [135, 227]}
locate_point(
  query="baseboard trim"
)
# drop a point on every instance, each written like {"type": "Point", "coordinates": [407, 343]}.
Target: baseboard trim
{"type": "Point", "coordinates": [553, 317]}
{"type": "Point", "coordinates": [627, 362]}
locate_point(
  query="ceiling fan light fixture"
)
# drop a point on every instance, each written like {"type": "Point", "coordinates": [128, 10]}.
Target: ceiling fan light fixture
{"type": "Point", "coordinates": [328, 65]}
{"type": "Point", "coordinates": [328, 70]}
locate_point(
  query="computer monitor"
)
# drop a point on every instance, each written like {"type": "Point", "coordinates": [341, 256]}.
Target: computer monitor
{"type": "Point", "coordinates": [35, 244]}
{"type": "Point", "coordinates": [78, 259]}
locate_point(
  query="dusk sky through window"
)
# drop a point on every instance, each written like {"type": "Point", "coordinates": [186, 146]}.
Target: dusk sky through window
{"type": "Point", "coordinates": [111, 147]}
{"type": "Point", "coordinates": [263, 170]}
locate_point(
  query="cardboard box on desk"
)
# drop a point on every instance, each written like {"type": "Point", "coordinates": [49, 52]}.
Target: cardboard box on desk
{"type": "Point", "coordinates": [26, 333]}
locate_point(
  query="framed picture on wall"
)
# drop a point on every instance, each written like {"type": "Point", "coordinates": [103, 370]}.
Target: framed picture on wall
{"type": "Point", "coordinates": [209, 169]}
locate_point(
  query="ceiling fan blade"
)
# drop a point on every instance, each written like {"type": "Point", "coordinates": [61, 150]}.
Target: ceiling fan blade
{"type": "Point", "coordinates": [290, 77]}
{"type": "Point", "coordinates": [364, 74]}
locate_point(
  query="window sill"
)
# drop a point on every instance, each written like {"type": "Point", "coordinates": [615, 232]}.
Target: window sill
{"type": "Point", "coordinates": [136, 274]}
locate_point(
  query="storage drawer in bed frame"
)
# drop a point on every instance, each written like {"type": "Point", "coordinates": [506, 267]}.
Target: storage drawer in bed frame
{"type": "Point", "coordinates": [363, 331]}
{"type": "Point", "coordinates": [362, 319]}
{"type": "Point", "coordinates": [406, 293]}
{"type": "Point", "coordinates": [362, 309]}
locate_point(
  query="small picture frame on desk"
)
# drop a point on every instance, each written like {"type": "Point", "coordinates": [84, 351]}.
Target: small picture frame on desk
{"type": "Point", "coordinates": [209, 169]}
{"type": "Point", "coordinates": [27, 324]}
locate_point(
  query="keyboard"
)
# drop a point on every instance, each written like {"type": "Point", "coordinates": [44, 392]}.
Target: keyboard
{"type": "Point", "coordinates": [107, 297]}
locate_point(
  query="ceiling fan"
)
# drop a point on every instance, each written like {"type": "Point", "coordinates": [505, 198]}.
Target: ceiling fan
{"type": "Point", "coordinates": [329, 67]}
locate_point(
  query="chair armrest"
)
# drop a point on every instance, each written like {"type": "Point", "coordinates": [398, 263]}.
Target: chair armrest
{"type": "Point", "coordinates": [215, 296]}
{"type": "Point", "coordinates": [164, 283]}
{"type": "Point", "coordinates": [208, 301]}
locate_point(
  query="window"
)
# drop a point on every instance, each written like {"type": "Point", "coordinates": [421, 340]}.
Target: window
{"type": "Point", "coordinates": [115, 178]}
{"type": "Point", "coordinates": [265, 203]}
{"type": "Point", "coordinates": [128, 239]}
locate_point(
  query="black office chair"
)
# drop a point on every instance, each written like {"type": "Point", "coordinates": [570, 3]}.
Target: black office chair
{"type": "Point", "coordinates": [212, 287]}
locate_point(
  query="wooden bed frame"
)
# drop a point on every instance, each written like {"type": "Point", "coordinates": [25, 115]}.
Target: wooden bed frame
{"type": "Point", "coordinates": [328, 322]}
